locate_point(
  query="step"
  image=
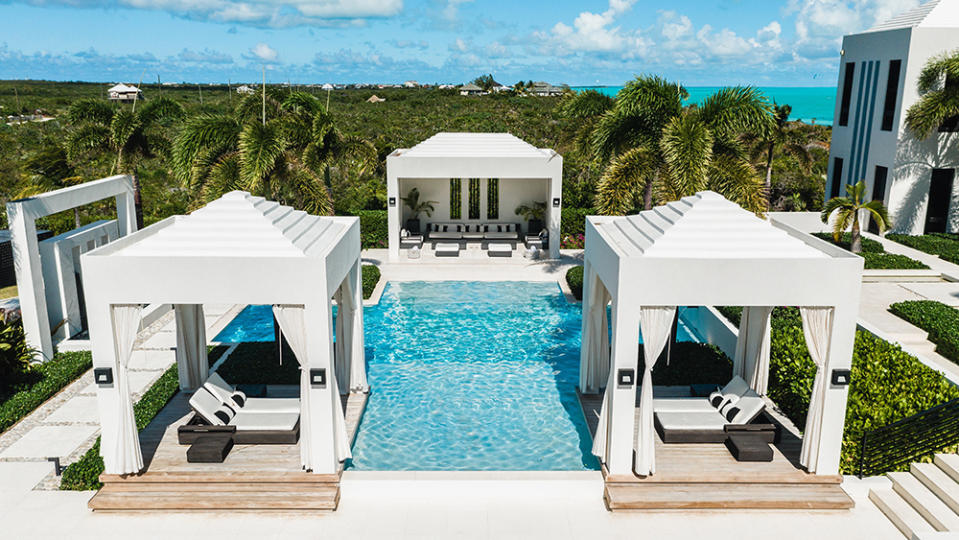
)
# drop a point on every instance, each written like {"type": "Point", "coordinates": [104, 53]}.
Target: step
{"type": "Point", "coordinates": [949, 463]}
{"type": "Point", "coordinates": [924, 501]}
{"type": "Point", "coordinates": [938, 482]}
{"type": "Point", "coordinates": [218, 477]}
{"type": "Point", "coordinates": [216, 487]}
{"type": "Point", "coordinates": [170, 499]}
{"type": "Point", "coordinates": [665, 496]}
{"type": "Point", "coordinates": [900, 513]}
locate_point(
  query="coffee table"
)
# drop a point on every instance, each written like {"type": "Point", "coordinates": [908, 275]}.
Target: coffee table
{"type": "Point", "coordinates": [499, 250]}
{"type": "Point", "coordinates": [446, 249]}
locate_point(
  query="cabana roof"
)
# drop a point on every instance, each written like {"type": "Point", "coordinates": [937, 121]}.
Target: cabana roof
{"type": "Point", "coordinates": [475, 145]}
{"type": "Point", "coordinates": [239, 224]}
{"type": "Point", "coordinates": [702, 226]}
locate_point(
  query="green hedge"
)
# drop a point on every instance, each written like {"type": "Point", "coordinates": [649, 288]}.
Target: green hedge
{"type": "Point", "coordinates": [574, 278]}
{"type": "Point", "coordinates": [374, 228]}
{"type": "Point", "coordinates": [938, 319]}
{"type": "Point", "coordinates": [20, 397]}
{"type": "Point", "coordinates": [887, 383]}
{"type": "Point", "coordinates": [945, 245]}
{"type": "Point", "coordinates": [573, 221]}
{"type": "Point", "coordinates": [371, 276]}
{"type": "Point", "coordinates": [691, 363]}
{"type": "Point", "coordinates": [875, 256]}
{"type": "Point", "coordinates": [259, 363]}
{"type": "Point", "coordinates": [84, 474]}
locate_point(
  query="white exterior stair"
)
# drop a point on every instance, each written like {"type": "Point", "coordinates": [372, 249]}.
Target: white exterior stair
{"type": "Point", "coordinates": [923, 502]}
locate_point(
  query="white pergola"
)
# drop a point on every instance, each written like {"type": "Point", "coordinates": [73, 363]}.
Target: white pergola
{"type": "Point", "coordinates": [526, 174]}
{"type": "Point", "coordinates": [238, 249]}
{"type": "Point", "coordinates": [706, 251]}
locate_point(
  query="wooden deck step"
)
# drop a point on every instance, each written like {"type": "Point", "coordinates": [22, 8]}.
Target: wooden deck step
{"type": "Point", "coordinates": [949, 463]}
{"type": "Point", "coordinates": [220, 476]}
{"type": "Point", "coordinates": [924, 501]}
{"type": "Point", "coordinates": [938, 482]}
{"type": "Point", "coordinates": [900, 512]}
{"type": "Point", "coordinates": [139, 496]}
{"type": "Point", "coordinates": [663, 496]}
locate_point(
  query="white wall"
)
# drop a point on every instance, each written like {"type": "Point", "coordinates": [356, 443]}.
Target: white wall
{"type": "Point", "coordinates": [512, 193]}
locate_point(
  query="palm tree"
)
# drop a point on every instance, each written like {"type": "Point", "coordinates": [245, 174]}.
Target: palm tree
{"type": "Point", "coordinates": [129, 135]}
{"type": "Point", "coordinates": [780, 136]}
{"type": "Point", "coordinates": [938, 87]}
{"type": "Point", "coordinates": [413, 202]}
{"type": "Point", "coordinates": [653, 144]}
{"type": "Point", "coordinates": [50, 169]}
{"type": "Point", "coordinates": [848, 209]}
{"type": "Point", "coordinates": [287, 153]}
{"type": "Point", "coordinates": [582, 110]}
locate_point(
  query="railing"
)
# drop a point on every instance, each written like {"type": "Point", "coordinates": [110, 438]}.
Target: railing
{"type": "Point", "coordinates": [890, 446]}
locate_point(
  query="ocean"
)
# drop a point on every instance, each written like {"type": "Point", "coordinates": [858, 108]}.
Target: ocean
{"type": "Point", "coordinates": [811, 104]}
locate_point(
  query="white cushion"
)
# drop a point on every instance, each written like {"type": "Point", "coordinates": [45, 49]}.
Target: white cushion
{"type": "Point", "coordinates": [682, 405]}
{"type": "Point", "coordinates": [206, 404]}
{"type": "Point", "coordinates": [746, 409]}
{"type": "Point", "coordinates": [501, 235]}
{"type": "Point", "coordinates": [710, 420]}
{"type": "Point", "coordinates": [271, 405]}
{"type": "Point", "coordinates": [447, 235]}
{"type": "Point", "coordinates": [262, 421]}
{"type": "Point", "coordinates": [736, 386]}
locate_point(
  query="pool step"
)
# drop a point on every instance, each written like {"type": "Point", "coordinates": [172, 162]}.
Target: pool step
{"type": "Point", "coordinates": [677, 496]}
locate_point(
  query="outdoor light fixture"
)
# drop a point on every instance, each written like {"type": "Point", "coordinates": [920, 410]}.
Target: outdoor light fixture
{"type": "Point", "coordinates": [392, 201]}
{"type": "Point", "coordinates": [318, 378]}
{"type": "Point", "coordinates": [556, 202]}
{"type": "Point", "coordinates": [625, 378]}
{"type": "Point", "coordinates": [841, 377]}
{"type": "Point", "coordinates": [103, 375]}
{"type": "Point", "coordinates": [57, 468]}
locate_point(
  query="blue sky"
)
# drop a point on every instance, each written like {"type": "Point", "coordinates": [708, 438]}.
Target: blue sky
{"type": "Point", "coordinates": [699, 42]}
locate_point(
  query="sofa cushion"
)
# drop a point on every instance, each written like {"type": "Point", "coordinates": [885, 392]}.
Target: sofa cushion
{"type": "Point", "coordinates": [272, 405]}
{"type": "Point", "coordinates": [245, 421]}
{"type": "Point", "coordinates": [682, 405]}
{"type": "Point", "coordinates": [206, 405]}
{"type": "Point", "coordinates": [501, 235]}
{"type": "Point", "coordinates": [746, 408]}
{"type": "Point", "coordinates": [711, 421]}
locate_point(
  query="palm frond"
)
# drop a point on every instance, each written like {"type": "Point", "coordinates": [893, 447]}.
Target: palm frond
{"type": "Point", "coordinates": [623, 179]}
{"type": "Point", "coordinates": [200, 134]}
{"type": "Point", "coordinates": [687, 148]}
{"type": "Point", "coordinates": [734, 110]}
{"type": "Point", "coordinates": [88, 137]}
{"type": "Point", "coordinates": [159, 109]}
{"type": "Point", "coordinates": [91, 110]}
{"type": "Point", "coordinates": [737, 180]}
{"type": "Point", "coordinates": [260, 148]}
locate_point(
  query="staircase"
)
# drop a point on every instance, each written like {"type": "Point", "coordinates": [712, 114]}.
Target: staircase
{"type": "Point", "coordinates": [924, 502]}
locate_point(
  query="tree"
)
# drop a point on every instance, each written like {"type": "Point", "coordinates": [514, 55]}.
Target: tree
{"type": "Point", "coordinates": [781, 136]}
{"type": "Point", "coordinates": [50, 169]}
{"type": "Point", "coordinates": [654, 145]}
{"type": "Point", "coordinates": [581, 110]}
{"type": "Point", "coordinates": [413, 202]}
{"type": "Point", "coordinates": [129, 135]}
{"type": "Point", "coordinates": [520, 86]}
{"type": "Point", "coordinates": [486, 82]}
{"type": "Point", "coordinates": [288, 153]}
{"type": "Point", "coordinates": [848, 209]}
{"type": "Point", "coordinates": [938, 103]}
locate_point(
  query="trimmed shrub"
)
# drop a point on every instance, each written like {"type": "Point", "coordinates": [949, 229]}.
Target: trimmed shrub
{"type": "Point", "coordinates": [940, 320]}
{"type": "Point", "coordinates": [574, 278]}
{"type": "Point", "coordinates": [84, 474]}
{"type": "Point", "coordinates": [945, 245]}
{"type": "Point", "coordinates": [371, 276]}
{"type": "Point", "coordinates": [15, 355]}
{"type": "Point", "coordinates": [845, 241]}
{"type": "Point", "coordinates": [573, 221]}
{"type": "Point", "coordinates": [875, 255]}
{"type": "Point", "coordinates": [259, 363]}
{"type": "Point", "coordinates": [374, 228]}
{"type": "Point", "coordinates": [691, 363]}
{"type": "Point", "coordinates": [20, 396]}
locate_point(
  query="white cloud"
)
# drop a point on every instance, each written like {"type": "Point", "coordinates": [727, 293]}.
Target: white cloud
{"type": "Point", "coordinates": [460, 45]}
{"type": "Point", "coordinates": [820, 24]}
{"type": "Point", "coordinates": [452, 8]}
{"type": "Point", "coordinates": [263, 52]}
{"type": "Point", "coordinates": [597, 32]}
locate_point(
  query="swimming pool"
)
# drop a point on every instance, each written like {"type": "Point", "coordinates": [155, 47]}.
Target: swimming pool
{"type": "Point", "coordinates": [466, 376]}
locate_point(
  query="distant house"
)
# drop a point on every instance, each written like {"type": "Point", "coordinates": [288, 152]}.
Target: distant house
{"type": "Point", "coordinates": [411, 84]}
{"type": "Point", "coordinates": [327, 86]}
{"type": "Point", "coordinates": [502, 88]}
{"type": "Point", "coordinates": [244, 90]}
{"type": "Point", "coordinates": [375, 99]}
{"type": "Point", "coordinates": [470, 89]}
{"type": "Point", "coordinates": [541, 88]}
{"type": "Point", "coordinates": [124, 92]}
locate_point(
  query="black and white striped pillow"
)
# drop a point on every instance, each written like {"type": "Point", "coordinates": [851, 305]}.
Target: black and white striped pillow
{"type": "Point", "coordinates": [224, 413]}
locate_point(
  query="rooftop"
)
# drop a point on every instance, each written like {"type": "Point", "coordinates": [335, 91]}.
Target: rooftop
{"type": "Point", "coordinates": [475, 145]}
{"type": "Point", "coordinates": [932, 14]}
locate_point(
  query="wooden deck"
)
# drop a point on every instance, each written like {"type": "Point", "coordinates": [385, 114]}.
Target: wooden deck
{"type": "Point", "coordinates": [253, 477]}
{"type": "Point", "coordinates": [705, 475]}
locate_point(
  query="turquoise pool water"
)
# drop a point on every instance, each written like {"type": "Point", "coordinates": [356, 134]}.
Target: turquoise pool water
{"type": "Point", "coordinates": [466, 376]}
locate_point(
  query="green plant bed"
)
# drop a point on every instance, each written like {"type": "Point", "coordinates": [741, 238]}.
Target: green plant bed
{"type": "Point", "coordinates": [21, 394]}
{"type": "Point", "coordinates": [84, 474]}
{"type": "Point", "coordinates": [260, 363]}
{"type": "Point", "coordinates": [374, 228]}
{"type": "Point", "coordinates": [938, 319]}
{"type": "Point", "coordinates": [887, 383]}
{"type": "Point", "coordinates": [691, 363]}
{"type": "Point", "coordinates": [371, 276]}
{"type": "Point", "coordinates": [875, 255]}
{"type": "Point", "coordinates": [945, 245]}
{"type": "Point", "coordinates": [574, 278]}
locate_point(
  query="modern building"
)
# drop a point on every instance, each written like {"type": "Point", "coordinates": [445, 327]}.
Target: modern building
{"type": "Point", "coordinates": [541, 88]}
{"type": "Point", "coordinates": [878, 75]}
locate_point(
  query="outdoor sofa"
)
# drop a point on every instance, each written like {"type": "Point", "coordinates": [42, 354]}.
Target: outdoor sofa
{"type": "Point", "coordinates": [239, 402]}
{"type": "Point", "coordinates": [215, 416]}
{"type": "Point", "coordinates": [485, 232]}
{"type": "Point", "coordinates": [733, 408]}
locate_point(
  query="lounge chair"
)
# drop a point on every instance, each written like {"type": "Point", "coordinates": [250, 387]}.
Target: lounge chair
{"type": "Point", "coordinates": [214, 416]}
{"type": "Point", "coordinates": [714, 402]}
{"type": "Point", "coordinates": [702, 421]}
{"type": "Point", "coordinates": [237, 400]}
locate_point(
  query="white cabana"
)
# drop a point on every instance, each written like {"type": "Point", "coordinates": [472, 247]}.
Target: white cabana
{"type": "Point", "coordinates": [706, 251]}
{"type": "Point", "coordinates": [525, 175]}
{"type": "Point", "coordinates": [238, 249]}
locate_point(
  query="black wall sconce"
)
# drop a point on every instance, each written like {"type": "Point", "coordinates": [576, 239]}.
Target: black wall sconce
{"type": "Point", "coordinates": [625, 378]}
{"type": "Point", "coordinates": [556, 202]}
{"type": "Point", "coordinates": [103, 376]}
{"type": "Point", "coordinates": [318, 378]}
{"type": "Point", "coordinates": [841, 377]}
{"type": "Point", "coordinates": [392, 201]}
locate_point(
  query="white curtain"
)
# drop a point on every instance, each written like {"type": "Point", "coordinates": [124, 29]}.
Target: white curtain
{"type": "Point", "coordinates": [292, 323]}
{"type": "Point", "coordinates": [751, 361]}
{"type": "Point", "coordinates": [191, 356]}
{"type": "Point", "coordinates": [341, 352]}
{"type": "Point", "coordinates": [656, 324]}
{"type": "Point", "coordinates": [602, 428]}
{"type": "Point", "coordinates": [817, 329]}
{"type": "Point", "coordinates": [594, 355]}
{"type": "Point", "coordinates": [124, 451]}
{"type": "Point", "coordinates": [350, 350]}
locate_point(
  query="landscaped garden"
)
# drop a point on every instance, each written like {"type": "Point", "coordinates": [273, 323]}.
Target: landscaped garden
{"type": "Point", "coordinates": [938, 319]}
{"type": "Point", "coordinates": [945, 245]}
{"type": "Point", "coordinates": [875, 255]}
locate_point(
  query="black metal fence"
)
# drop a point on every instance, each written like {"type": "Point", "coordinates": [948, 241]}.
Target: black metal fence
{"type": "Point", "coordinates": [886, 448]}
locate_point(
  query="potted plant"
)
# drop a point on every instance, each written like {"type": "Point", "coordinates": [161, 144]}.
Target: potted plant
{"type": "Point", "coordinates": [534, 214]}
{"type": "Point", "coordinates": [412, 201]}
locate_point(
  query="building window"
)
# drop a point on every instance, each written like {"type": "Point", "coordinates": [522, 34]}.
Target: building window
{"type": "Point", "coordinates": [836, 177]}
{"type": "Point", "coordinates": [846, 93]}
{"type": "Point", "coordinates": [492, 198]}
{"type": "Point", "coordinates": [879, 183]}
{"type": "Point", "coordinates": [892, 93]}
{"type": "Point", "coordinates": [456, 198]}
{"type": "Point", "coordinates": [474, 199]}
